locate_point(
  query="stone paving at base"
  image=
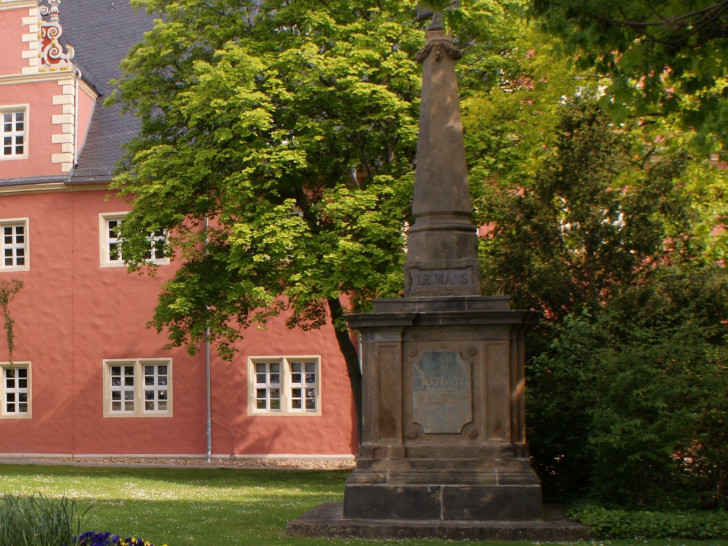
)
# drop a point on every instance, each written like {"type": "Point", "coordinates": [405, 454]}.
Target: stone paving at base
{"type": "Point", "coordinates": [327, 520]}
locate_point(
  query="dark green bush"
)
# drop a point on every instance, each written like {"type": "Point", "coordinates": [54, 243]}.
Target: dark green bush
{"type": "Point", "coordinates": [37, 521]}
{"type": "Point", "coordinates": [628, 406]}
{"type": "Point", "coordinates": [621, 524]}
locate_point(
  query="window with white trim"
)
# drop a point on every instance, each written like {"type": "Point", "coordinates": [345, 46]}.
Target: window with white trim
{"type": "Point", "coordinates": [138, 388]}
{"type": "Point", "coordinates": [111, 242]}
{"type": "Point", "coordinates": [14, 245]}
{"type": "Point", "coordinates": [287, 385]}
{"type": "Point", "coordinates": [15, 390]}
{"type": "Point", "coordinates": [13, 131]}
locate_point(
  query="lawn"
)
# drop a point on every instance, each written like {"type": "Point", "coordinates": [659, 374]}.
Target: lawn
{"type": "Point", "coordinates": [198, 506]}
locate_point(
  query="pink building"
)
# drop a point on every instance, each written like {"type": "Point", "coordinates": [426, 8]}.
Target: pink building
{"type": "Point", "coordinates": [87, 377]}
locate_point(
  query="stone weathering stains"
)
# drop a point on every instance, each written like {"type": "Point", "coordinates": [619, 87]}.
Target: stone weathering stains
{"type": "Point", "coordinates": [442, 392]}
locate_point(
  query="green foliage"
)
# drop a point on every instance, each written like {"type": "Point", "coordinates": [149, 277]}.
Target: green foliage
{"type": "Point", "coordinates": [628, 401]}
{"type": "Point", "coordinates": [37, 520]}
{"type": "Point", "coordinates": [293, 133]}
{"type": "Point", "coordinates": [276, 149]}
{"type": "Point", "coordinates": [594, 214]}
{"type": "Point", "coordinates": [291, 127]}
{"type": "Point", "coordinates": [664, 58]}
{"type": "Point", "coordinates": [584, 214]}
{"type": "Point", "coordinates": [617, 524]}
{"type": "Point", "coordinates": [8, 290]}
{"type": "Point", "coordinates": [289, 130]}
{"type": "Point", "coordinates": [511, 121]}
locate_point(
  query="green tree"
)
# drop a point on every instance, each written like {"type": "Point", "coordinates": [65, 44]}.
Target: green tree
{"type": "Point", "coordinates": [291, 129]}
{"type": "Point", "coordinates": [627, 405]}
{"type": "Point", "coordinates": [607, 229]}
{"type": "Point", "coordinates": [664, 58]}
{"type": "Point", "coordinates": [288, 129]}
{"type": "Point", "coordinates": [596, 214]}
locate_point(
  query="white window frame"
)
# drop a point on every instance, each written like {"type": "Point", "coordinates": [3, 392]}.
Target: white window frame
{"type": "Point", "coordinates": [144, 389]}
{"type": "Point", "coordinates": [13, 133]}
{"type": "Point", "coordinates": [16, 391]}
{"type": "Point", "coordinates": [107, 238]}
{"type": "Point", "coordinates": [287, 396]}
{"type": "Point", "coordinates": [13, 246]}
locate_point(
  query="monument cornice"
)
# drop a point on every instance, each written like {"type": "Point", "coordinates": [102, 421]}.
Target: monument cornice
{"type": "Point", "coordinates": [441, 311]}
{"type": "Point", "coordinates": [438, 45]}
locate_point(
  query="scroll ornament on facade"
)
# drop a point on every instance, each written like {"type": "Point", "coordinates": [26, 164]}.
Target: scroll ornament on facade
{"type": "Point", "coordinates": [52, 54]}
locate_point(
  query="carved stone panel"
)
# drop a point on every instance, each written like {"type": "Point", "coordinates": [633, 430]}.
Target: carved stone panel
{"type": "Point", "coordinates": [442, 392]}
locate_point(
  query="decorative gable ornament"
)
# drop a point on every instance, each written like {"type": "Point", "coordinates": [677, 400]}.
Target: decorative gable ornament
{"type": "Point", "coordinates": [52, 54]}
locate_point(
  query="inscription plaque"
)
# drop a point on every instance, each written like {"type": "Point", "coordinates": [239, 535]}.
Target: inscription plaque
{"type": "Point", "coordinates": [437, 278]}
{"type": "Point", "coordinates": [442, 392]}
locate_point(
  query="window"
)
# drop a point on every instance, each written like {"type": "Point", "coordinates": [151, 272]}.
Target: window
{"type": "Point", "coordinates": [138, 388]}
{"type": "Point", "coordinates": [288, 385]}
{"type": "Point", "coordinates": [111, 242]}
{"type": "Point", "coordinates": [14, 245]}
{"type": "Point", "coordinates": [13, 132]}
{"type": "Point", "coordinates": [15, 390]}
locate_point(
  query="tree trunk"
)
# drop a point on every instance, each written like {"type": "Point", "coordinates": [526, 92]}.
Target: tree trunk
{"type": "Point", "coordinates": [351, 357]}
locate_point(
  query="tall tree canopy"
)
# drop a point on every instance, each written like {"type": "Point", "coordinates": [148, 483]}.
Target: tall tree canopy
{"type": "Point", "coordinates": [665, 57]}
{"type": "Point", "coordinates": [608, 228]}
{"type": "Point", "coordinates": [289, 129]}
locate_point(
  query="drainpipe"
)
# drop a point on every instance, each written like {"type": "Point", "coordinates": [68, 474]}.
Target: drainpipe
{"type": "Point", "coordinates": [207, 386]}
{"type": "Point", "coordinates": [207, 373]}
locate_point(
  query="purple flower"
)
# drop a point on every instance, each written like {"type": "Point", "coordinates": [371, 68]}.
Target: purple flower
{"type": "Point", "coordinates": [92, 538]}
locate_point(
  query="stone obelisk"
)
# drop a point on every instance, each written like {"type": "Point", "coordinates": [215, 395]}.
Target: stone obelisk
{"type": "Point", "coordinates": [443, 450]}
{"type": "Point", "coordinates": [443, 367]}
{"type": "Point", "coordinates": [442, 245]}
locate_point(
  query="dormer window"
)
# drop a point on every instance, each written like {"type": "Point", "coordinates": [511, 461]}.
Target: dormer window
{"type": "Point", "coordinates": [13, 133]}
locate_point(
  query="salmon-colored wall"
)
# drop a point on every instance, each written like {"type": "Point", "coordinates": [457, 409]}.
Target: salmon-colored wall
{"type": "Point", "coordinates": [86, 104]}
{"type": "Point", "coordinates": [331, 433]}
{"type": "Point", "coordinates": [11, 44]}
{"type": "Point", "coordinates": [72, 314]}
{"type": "Point", "coordinates": [39, 128]}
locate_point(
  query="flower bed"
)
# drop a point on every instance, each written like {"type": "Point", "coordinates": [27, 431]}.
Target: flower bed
{"type": "Point", "coordinates": [92, 538]}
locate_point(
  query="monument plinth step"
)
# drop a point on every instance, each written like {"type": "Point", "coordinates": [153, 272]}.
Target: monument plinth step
{"type": "Point", "coordinates": [327, 520]}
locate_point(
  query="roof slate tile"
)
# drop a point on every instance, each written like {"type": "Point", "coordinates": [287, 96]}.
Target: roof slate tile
{"type": "Point", "coordinates": [102, 32]}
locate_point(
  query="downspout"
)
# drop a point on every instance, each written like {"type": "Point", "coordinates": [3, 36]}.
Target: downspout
{"type": "Point", "coordinates": [207, 372]}
{"type": "Point", "coordinates": [208, 389]}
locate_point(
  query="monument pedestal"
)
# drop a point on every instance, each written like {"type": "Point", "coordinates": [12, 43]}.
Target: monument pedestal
{"type": "Point", "coordinates": [444, 453]}
{"type": "Point", "coordinates": [443, 411]}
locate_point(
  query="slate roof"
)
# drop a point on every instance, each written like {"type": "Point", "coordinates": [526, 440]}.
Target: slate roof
{"type": "Point", "coordinates": [101, 32]}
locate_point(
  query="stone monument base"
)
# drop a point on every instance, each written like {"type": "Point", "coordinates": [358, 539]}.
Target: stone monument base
{"type": "Point", "coordinates": [327, 520]}
{"type": "Point", "coordinates": [443, 489]}
{"type": "Point", "coordinates": [444, 435]}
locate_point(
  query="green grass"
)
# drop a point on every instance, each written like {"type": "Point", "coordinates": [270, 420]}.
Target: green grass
{"type": "Point", "coordinates": [201, 507]}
